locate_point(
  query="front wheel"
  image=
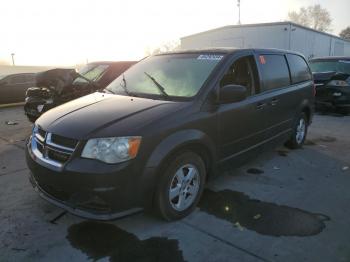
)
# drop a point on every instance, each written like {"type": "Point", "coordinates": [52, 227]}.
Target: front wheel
{"type": "Point", "coordinates": [180, 187]}
{"type": "Point", "coordinates": [299, 132]}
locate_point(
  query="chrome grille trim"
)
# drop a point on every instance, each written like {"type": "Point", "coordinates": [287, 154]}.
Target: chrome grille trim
{"type": "Point", "coordinates": [43, 156]}
{"type": "Point", "coordinates": [42, 159]}
{"type": "Point", "coordinates": [52, 144]}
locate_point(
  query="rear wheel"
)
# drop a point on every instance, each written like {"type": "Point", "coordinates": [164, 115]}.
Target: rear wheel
{"type": "Point", "coordinates": [299, 132]}
{"type": "Point", "coordinates": [181, 185]}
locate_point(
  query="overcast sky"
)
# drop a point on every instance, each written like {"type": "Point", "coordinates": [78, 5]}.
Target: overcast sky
{"type": "Point", "coordinates": [68, 32]}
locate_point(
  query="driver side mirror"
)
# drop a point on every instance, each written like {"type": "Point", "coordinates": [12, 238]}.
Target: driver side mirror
{"type": "Point", "coordinates": [232, 93]}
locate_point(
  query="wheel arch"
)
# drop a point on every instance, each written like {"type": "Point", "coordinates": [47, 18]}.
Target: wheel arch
{"type": "Point", "coordinates": [307, 111]}
{"type": "Point", "coordinates": [184, 140]}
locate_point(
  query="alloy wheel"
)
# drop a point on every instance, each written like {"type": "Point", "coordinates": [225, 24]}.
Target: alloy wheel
{"type": "Point", "coordinates": [184, 187]}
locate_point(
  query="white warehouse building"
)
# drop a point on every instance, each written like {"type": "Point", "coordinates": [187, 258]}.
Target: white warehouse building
{"type": "Point", "coordinates": [282, 35]}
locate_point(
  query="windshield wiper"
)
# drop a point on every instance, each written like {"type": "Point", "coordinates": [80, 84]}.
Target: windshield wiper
{"type": "Point", "coordinates": [124, 85]}
{"type": "Point", "coordinates": [160, 87]}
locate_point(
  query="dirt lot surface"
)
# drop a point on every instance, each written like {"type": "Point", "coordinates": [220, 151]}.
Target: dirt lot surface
{"type": "Point", "coordinates": [283, 206]}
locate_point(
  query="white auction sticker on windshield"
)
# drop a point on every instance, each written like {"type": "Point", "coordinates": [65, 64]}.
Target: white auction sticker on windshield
{"type": "Point", "coordinates": [210, 57]}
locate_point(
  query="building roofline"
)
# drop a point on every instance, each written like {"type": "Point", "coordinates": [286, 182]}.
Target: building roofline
{"type": "Point", "coordinates": [265, 24]}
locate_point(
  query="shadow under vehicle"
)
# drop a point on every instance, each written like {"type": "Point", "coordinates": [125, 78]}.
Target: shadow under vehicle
{"type": "Point", "coordinates": [13, 87]}
{"type": "Point", "coordinates": [57, 86]}
{"type": "Point", "coordinates": [332, 81]}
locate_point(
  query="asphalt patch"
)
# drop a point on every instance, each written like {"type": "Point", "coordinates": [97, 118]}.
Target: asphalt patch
{"type": "Point", "coordinates": [255, 171]}
{"type": "Point", "coordinates": [282, 152]}
{"type": "Point", "coordinates": [328, 139]}
{"type": "Point", "coordinates": [309, 142]}
{"type": "Point", "coordinates": [325, 139]}
{"type": "Point", "coordinates": [262, 217]}
{"type": "Point", "coordinates": [98, 240]}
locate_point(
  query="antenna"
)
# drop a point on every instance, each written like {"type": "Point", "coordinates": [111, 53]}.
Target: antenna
{"type": "Point", "coordinates": [13, 58]}
{"type": "Point", "coordinates": [239, 11]}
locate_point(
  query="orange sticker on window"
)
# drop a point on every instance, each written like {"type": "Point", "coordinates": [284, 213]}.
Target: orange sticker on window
{"type": "Point", "coordinates": [262, 60]}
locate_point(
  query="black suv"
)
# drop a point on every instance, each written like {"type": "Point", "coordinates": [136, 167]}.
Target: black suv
{"type": "Point", "coordinates": [332, 80]}
{"type": "Point", "coordinates": [57, 86]}
{"type": "Point", "coordinates": [162, 129]}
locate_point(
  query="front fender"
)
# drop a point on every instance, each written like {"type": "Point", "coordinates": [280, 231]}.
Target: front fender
{"type": "Point", "coordinates": [163, 150]}
{"type": "Point", "coordinates": [179, 140]}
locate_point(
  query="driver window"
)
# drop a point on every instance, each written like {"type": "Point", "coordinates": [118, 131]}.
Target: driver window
{"type": "Point", "coordinates": [240, 73]}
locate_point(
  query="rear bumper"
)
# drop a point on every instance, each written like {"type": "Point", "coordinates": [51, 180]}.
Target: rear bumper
{"type": "Point", "coordinates": [343, 104]}
{"type": "Point", "coordinates": [333, 97]}
{"type": "Point", "coordinates": [91, 189]}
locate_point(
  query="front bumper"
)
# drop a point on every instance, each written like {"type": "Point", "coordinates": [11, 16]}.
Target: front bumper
{"type": "Point", "coordinates": [91, 189]}
{"type": "Point", "coordinates": [31, 107]}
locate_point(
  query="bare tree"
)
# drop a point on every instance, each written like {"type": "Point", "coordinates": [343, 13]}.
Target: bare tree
{"type": "Point", "coordinates": [345, 33]}
{"type": "Point", "coordinates": [313, 16]}
{"type": "Point", "coordinates": [165, 47]}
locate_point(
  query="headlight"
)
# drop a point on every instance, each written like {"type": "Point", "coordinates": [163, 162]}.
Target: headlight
{"type": "Point", "coordinates": [112, 150]}
{"type": "Point", "coordinates": [338, 83]}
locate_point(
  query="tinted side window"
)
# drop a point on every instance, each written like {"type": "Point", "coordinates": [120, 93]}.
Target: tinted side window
{"type": "Point", "coordinates": [242, 72]}
{"type": "Point", "coordinates": [275, 72]}
{"type": "Point", "coordinates": [298, 69]}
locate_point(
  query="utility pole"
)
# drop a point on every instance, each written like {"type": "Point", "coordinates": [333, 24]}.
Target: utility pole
{"type": "Point", "coordinates": [13, 58]}
{"type": "Point", "coordinates": [239, 11]}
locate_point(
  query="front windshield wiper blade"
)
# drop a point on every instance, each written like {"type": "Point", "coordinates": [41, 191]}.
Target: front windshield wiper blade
{"type": "Point", "coordinates": [124, 85]}
{"type": "Point", "coordinates": [105, 91]}
{"type": "Point", "coordinates": [160, 87]}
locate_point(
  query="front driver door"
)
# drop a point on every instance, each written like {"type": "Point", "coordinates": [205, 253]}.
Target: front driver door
{"type": "Point", "coordinates": [241, 124]}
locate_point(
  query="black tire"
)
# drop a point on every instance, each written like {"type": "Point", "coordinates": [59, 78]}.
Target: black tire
{"type": "Point", "coordinates": [162, 204]}
{"type": "Point", "coordinates": [294, 142]}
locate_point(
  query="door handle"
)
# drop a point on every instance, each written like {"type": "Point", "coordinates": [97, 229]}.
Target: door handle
{"type": "Point", "coordinates": [274, 101]}
{"type": "Point", "coordinates": [260, 106]}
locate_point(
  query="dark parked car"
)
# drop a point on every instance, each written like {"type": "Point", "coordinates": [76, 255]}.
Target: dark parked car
{"type": "Point", "coordinates": [332, 80]}
{"type": "Point", "coordinates": [58, 86]}
{"type": "Point", "coordinates": [13, 87]}
{"type": "Point", "coordinates": [165, 127]}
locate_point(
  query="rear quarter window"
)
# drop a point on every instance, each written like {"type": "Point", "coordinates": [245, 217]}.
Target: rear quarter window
{"type": "Point", "coordinates": [274, 70]}
{"type": "Point", "coordinates": [299, 69]}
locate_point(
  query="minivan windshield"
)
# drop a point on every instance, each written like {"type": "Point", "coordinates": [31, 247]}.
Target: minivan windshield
{"type": "Point", "coordinates": [170, 76]}
{"type": "Point", "coordinates": [339, 66]}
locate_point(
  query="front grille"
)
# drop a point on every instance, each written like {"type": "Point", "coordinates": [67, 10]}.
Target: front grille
{"type": "Point", "coordinates": [40, 147]}
{"type": "Point", "coordinates": [57, 155]}
{"type": "Point", "coordinates": [51, 148]}
{"type": "Point", "coordinates": [64, 141]}
{"type": "Point", "coordinates": [41, 132]}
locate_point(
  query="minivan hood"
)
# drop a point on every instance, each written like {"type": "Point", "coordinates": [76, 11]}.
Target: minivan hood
{"type": "Point", "coordinates": [81, 118]}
